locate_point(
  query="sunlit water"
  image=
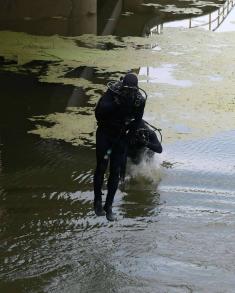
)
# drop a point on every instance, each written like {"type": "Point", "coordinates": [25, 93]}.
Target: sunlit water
{"type": "Point", "coordinates": [176, 214]}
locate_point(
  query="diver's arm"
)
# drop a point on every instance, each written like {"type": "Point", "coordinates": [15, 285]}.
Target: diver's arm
{"type": "Point", "coordinates": [153, 143]}
{"type": "Point", "coordinates": [135, 124]}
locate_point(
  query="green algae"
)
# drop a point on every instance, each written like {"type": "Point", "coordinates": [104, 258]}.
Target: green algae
{"type": "Point", "coordinates": [186, 10]}
{"type": "Point", "coordinates": [178, 9]}
{"type": "Point", "coordinates": [73, 126]}
{"type": "Point", "coordinates": [206, 107]}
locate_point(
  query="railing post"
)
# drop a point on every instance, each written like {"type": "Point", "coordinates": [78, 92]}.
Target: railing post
{"type": "Point", "coordinates": [218, 17]}
{"type": "Point", "coordinates": [210, 21]}
{"type": "Point", "coordinates": [190, 22]}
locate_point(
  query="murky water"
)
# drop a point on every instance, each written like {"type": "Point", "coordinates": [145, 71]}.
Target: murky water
{"type": "Point", "coordinates": [176, 219]}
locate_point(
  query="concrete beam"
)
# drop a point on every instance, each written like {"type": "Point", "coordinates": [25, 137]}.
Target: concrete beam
{"type": "Point", "coordinates": [112, 22]}
{"type": "Point", "coordinates": [83, 18]}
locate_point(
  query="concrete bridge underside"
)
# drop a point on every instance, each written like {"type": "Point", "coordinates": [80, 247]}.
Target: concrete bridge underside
{"type": "Point", "coordinates": [75, 17]}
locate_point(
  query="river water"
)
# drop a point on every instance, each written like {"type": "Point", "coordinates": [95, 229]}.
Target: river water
{"type": "Point", "coordinates": [176, 214]}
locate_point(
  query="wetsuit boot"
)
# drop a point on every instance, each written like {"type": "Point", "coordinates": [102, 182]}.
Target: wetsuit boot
{"type": "Point", "coordinates": [109, 213]}
{"type": "Point", "coordinates": [98, 208]}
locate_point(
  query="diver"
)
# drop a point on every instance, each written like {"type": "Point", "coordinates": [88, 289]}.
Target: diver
{"type": "Point", "coordinates": [145, 141]}
{"type": "Point", "coordinates": [119, 114]}
{"type": "Point", "coordinates": [142, 146]}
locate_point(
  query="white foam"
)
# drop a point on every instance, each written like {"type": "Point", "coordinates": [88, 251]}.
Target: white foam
{"type": "Point", "coordinates": [147, 169]}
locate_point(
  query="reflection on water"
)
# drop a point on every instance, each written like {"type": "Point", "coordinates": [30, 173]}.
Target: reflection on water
{"type": "Point", "coordinates": [163, 74]}
{"type": "Point", "coordinates": [175, 228]}
{"type": "Point", "coordinates": [221, 20]}
{"type": "Point", "coordinates": [228, 25]}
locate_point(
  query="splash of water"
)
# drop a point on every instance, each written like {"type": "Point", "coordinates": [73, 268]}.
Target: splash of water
{"type": "Point", "coordinates": [147, 171]}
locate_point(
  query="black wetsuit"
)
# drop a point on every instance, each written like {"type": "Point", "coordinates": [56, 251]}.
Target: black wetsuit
{"type": "Point", "coordinates": [116, 125]}
{"type": "Point", "coordinates": [138, 146]}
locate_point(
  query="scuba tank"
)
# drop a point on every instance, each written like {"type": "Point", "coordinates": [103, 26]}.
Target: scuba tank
{"type": "Point", "coordinates": [137, 94]}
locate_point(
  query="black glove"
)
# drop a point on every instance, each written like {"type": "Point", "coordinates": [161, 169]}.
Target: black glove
{"type": "Point", "coordinates": [142, 141]}
{"type": "Point", "coordinates": [117, 100]}
{"type": "Point", "coordinates": [140, 138]}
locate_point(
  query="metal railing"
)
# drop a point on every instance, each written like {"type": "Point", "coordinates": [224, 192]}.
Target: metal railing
{"type": "Point", "coordinates": [222, 13]}
{"type": "Point", "coordinates": [215, 19]}
{"type": "Point", "coordinates": [156, 29]}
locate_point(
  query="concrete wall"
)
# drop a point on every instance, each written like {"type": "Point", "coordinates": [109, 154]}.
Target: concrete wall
{"type": "Point", "coordinates": [46, 17]}
{"type": "Point", "coordinates": [83, 18]}
{"type": "Point", "coordinates": [19, 9]}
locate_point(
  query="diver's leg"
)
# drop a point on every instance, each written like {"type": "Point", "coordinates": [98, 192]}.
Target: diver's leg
{"type": "Point", "coordinates": [102, 145]}
{"type": "Point", "coordinates": [116, 160]}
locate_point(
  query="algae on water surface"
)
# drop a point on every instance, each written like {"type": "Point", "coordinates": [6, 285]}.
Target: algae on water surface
{"type": "Point", "coordinates": [203, 58]}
